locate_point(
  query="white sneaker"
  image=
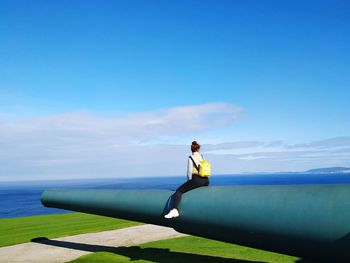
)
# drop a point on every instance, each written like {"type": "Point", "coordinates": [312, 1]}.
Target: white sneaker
{"type": "Point", "coordinates": [173, 213]}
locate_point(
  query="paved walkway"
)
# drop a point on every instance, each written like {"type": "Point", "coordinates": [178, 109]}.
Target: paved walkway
{"type": "Point", "coordinates": [68, 248]}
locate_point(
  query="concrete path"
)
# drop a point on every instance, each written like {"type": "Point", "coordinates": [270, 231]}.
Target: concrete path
{"type": "Point", "coordinates": [68, 248]}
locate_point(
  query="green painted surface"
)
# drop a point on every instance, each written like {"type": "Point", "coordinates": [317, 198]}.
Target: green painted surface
{"type": "Point", "coordinates": [311, 221]}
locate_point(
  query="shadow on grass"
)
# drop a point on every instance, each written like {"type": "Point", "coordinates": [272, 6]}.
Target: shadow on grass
{"type": "Point", "coordinates": [160, 255]}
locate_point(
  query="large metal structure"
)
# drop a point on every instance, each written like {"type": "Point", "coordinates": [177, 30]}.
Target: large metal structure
{"type": "Point", "coordinates": [310, 221]}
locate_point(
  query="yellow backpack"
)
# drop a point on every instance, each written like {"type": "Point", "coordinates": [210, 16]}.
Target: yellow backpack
{"type": "Point", "coordinates": [204, 167]}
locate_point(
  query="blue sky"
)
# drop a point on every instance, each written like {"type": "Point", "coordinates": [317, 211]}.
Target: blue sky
{"type": "Point", "coordinates": [270, 72]}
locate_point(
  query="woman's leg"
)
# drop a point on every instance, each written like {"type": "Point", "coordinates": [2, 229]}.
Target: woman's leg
{"type": "Point", "coordinates": [179, 191]}
{"type": "Point", "coordinates": [189, 185]}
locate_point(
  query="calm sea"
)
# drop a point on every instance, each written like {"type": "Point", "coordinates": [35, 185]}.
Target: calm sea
{"type": "Point", "coordinates": [23, 198]}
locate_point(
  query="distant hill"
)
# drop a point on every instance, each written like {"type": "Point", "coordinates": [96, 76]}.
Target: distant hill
{"type": "Point", "coordinates": [330, 170]}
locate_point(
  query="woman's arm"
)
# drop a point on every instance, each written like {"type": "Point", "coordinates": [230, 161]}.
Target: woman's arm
{"type": "Point", "coordinates": [189, 169]}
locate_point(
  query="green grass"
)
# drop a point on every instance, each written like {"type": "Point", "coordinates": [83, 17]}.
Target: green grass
{"type": "Point", "coordinates": [185, 249]}
{"type": "Point", "coordinates": [23, 229]}
{"type": "Point", "coordinates": [180, 250]}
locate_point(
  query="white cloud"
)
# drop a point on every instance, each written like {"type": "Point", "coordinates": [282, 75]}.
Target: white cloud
{"type": "Point", "coordinates": [232, 145]}
{"type": "Point", "coordinates": [83, 144]}
{"type": "Point", "coordinates": [139, 126]}
{"type": "Point", "coordinates": [328, 143]}
{"type": "Point", "coordinates": [284, 159]}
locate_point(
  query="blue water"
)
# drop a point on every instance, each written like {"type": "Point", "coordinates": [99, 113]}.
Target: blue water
{"type": "Point", "coordinates": [23, 198]}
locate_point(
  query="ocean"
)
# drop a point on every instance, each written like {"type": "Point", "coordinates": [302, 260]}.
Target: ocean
{"type": "Point", "coordinates": [19, 199]}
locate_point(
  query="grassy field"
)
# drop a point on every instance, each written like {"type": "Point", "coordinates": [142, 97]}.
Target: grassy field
{"type": "Point", "coordinates": [187, 249]}
{"type": "Point", "coordinates": [179, 250]}
{"type": "Point", "coordinates": [23, 229]}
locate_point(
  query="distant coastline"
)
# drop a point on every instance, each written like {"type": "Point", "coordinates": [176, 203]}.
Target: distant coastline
{"type": "Point", "coordinates": [174, 178]}
{"type": "Point", "coordinates": [329, 170]}
{"type": "Point", "coordinates": [326, 170]}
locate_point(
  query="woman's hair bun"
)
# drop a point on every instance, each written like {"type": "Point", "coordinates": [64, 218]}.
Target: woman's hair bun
{"type": "Point", "coordinates": [195, 146]}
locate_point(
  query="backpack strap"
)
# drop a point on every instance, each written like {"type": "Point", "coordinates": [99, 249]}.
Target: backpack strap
{"type": "Point", "coordinates": [194, 163]}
